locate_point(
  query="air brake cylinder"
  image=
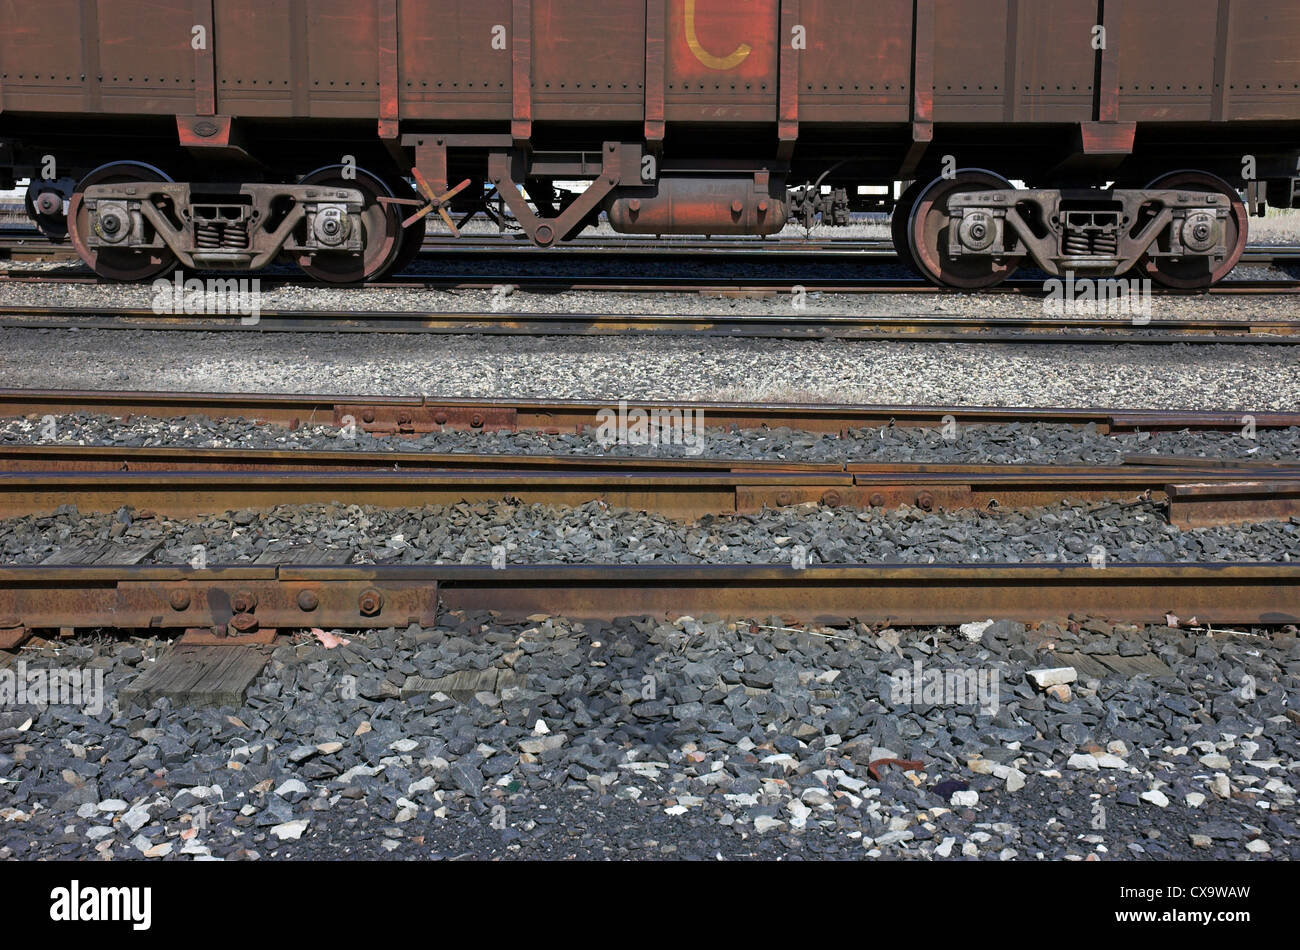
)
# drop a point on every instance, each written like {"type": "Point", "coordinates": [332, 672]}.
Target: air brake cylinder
{"type": "Point", "coordinates": [731, 203]}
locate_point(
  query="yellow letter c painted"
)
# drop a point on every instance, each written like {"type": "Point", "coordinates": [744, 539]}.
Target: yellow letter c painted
{"type": "Point", "coordinates": [703, 55]}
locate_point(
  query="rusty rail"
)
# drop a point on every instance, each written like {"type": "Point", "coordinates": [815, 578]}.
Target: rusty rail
{"type": "Point", "coordinates": [1209, 501]}
{"type": "Point", "coordinates": [919, 327]}
{"type": "Point", "coordinates": [59, 457]}
{"type": "Point", "coordinates": [241, 601]}
{"type": "Point", "coordinates": [19, 240]}
{"type": "Point", "coordinates": [68, 457]}
{"type": "Point", "coordinates": [247, 601]}
{"type": "Point", "coordinates": [680, 490]}
{"type": "Point", "coordinates": [709, 286]}
{"type": "Point", "coordinates": [416, 414]}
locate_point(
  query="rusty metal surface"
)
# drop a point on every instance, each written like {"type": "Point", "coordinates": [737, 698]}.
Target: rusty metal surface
{"type": "Point", "coordinates": [574, 415]}
{"type": "Point", "coordinates": [574, 77]}
{"type": "Point", "coordinates": [109, 458]}
{"type": "Point", "coordinates": [926, 327]}
{"type": "Point", "coordinates": [1208, 60]}
{"type": "Point", "coordinates": [112, 56]}
{"type": "Point", "coordinates": [732, 204]}
{"type": "Point", "coordinates": [1175, 80]}
{"type": "Point", "coordinates": [678, 491]}
{"type": "Point", "coordinates": [131, 598]}
{"type": "Point", "coordinates": [705, 285]}
{"type": "Point", "coordinates": [935, 594]}
{"type": "Point", "coordinates": [725, 62]}
{"type": "Point", "coordinates": [317, 58]}
{"type": "Point", "coordinates": [181, 494]}
{"type": "Point", "coordinates": [1136, 469]}
{"type": "Point", "coordinates": [851, 75]}
{"type": "Point", "coordinates": [1005, 61]}
{"type": "Point", "coordinates": [1193, 461]}
{"type": "Point", "coordinates": [1211, 502]}
{"type": "Point", "coordinates": [444, 75]}
{"type": "Point", "coordinates": [722, 61]}
{"type": "Point", "coordinates": [239, 599]}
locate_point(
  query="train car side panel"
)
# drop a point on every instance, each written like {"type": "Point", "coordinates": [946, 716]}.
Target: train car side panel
{"type": "Point", "coordinates": [111, 56]}
{"type": "Point", "coordinates": [721, 61]}
{"type": "Point", "coordinates": [44, 68]}
{"type": "Point", "coordinates": [1167, 53]}
{"type": "Point", "coordinates": [455, 58]}
{"type": "Point", "coordinates": [1262, 72]}
{"type": "Point", "coordinates": [858, 62]}
{"type": "Point", "coordinates": [259, 55]}
{"type": "Point", "coordinates": [146, 57]}
{"type": "Point", "coordinates": [1055, 61]}
{"type": "Point", "coordinates": [343, 58]}
{"type": "Point", "coordinates": [294, 58]}
{"type": "Point", "coordinates": [970, 45]}
{"type": "Point", "coordinates": [588, 60]}
{"type": "Point", "coordinates": [1001, 61]}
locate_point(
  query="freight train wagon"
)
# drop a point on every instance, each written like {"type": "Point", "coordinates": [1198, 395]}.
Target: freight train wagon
{"type": "Point", "coordinates": [224, 134]}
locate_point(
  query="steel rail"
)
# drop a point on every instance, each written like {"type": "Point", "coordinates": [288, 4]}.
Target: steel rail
{"type": "Point", "coordinates": [1194, 498]}
{"type": "Point", "coordinates": [28, 241]}
{"type": "Point", "coordinates": [62, 457]}
{"type": "Point", "coordinates": [668, 246]}
{"type": "Point", "coordinates": [774, 286]}
{"type": "Point", "coordinates": [71, 457]}
{"type": "Point", "coordinates": [399, 415]}
{"type": "Point", "coordinates": [920, 327]}
{"type": "Point", "coordinates": [245, 599]}
{"type": "Point", "coordinates": [749, 287]}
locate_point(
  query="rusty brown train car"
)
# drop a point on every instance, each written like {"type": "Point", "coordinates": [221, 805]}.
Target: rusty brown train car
{"type": "Point", "coordinates": [225, 134]}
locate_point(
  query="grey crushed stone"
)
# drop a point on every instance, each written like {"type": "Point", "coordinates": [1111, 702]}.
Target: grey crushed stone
{"type": "Point", "coordinates": [1182, 376]}
{"type": "Point", "coordinates": [595, 533]}
{"type": "Point", "coordinates": [754, 743]}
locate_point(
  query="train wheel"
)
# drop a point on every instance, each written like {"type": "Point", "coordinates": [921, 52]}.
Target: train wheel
{"type": "Point", "coordinates": [412, 237]}
{"type": "Point", "coordinates": [1192, 273]}
{"type": "Point", "coordinates": [898, 225]}
{"type": "Point", "coordinates": [44, 203]}
{"type": "Point", "coordinates": [381, 231]}
{"type": "Point", "coordinates": [927, 233]}
{"type": "Point", "coordinates": [111, 262]}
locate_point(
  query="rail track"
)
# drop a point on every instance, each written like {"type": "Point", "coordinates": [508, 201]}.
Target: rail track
{"type": "Point", "coordinates": [108, 587]}
{"type": "Point", "coordinates": [69, 597]}
{"type": "Point", "coordinates": [707, 285]}
{"type": "Point", "coordinates": [38, 480]}
{"type": "Point", "coordinates": [386, 415]}
{"type": "Point", "coordinates": [24, 243]}
{"type": "Point", "coordinates": [499, 252]}
{"type": "Point", "coordinates": [918, 327]}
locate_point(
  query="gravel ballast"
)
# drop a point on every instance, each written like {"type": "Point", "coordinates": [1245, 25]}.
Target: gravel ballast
{"type": "Point", "coordinates": [686, 740]}
{"type": "Point", "coordinates": [594, 533]}
{"type": "Point", "coordinates": [1006, 444]}
{"type": "Point", "coordinates": [1181, 376]}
